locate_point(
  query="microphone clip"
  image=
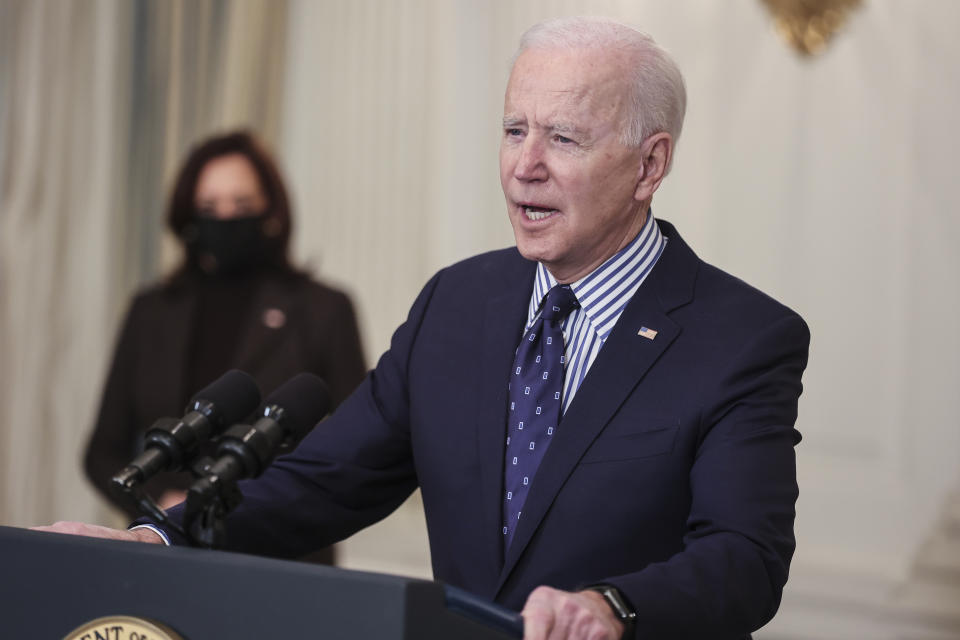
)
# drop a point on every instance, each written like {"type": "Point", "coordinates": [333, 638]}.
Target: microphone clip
{"type": "Point", "coordinates": [210, 498]}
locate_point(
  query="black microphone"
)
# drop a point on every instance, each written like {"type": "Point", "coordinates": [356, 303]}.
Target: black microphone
{"type": "Point", "coordinates": [169, 442]}
{"type": "Point", "coordinates": [244, 451]}
{"type": "Point", "coordinates": [288, 414]}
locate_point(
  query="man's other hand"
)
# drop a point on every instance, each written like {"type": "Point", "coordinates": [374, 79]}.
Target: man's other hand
{"type": "Point", "coordinates": [96, 531]}
{"type": "Point", "coordinates": [550, 614]}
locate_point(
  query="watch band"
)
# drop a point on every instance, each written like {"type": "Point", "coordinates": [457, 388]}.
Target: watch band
{"type": "Point", "coordinates": [621, 608]}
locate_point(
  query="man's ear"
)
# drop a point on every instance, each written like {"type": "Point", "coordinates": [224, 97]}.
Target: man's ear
{"type": "Point", "coordinates": [655, 153]}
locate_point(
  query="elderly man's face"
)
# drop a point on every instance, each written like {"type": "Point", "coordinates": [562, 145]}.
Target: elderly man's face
{"type": "Point", "coordinates": [571, 186]}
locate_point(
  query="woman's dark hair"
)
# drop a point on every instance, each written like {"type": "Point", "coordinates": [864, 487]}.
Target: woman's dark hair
{"type": "Point", "coordinates": [182, 209]}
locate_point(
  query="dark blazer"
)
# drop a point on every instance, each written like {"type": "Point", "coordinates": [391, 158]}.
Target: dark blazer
{"type": "Point", "coordinates": [315, 330]}
{"type": "Point", "coordinates": [671, 476]}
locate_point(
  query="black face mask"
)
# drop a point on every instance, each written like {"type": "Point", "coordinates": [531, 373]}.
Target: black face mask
{"type": "Point", "coordinates": [227, 246]}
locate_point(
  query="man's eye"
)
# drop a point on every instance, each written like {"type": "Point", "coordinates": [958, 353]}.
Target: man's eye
{"type": "Point", "coordinates": [563, 139]}
{"type": "Point", "coordinates": [513, 132]}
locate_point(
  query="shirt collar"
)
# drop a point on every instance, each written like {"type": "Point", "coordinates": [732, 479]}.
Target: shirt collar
{"type": "Point", "coordinates": [605, 291]}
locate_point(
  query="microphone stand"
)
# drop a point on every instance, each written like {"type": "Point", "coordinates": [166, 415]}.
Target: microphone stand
{"type": "Point", "coordinates": [126, 486]}
{"type": "Point", "coordinates": [209, 500]}
{"type": "Point", "coordinates": [214, 495]}
{"type": "Point", "coordinates": [243, 452]}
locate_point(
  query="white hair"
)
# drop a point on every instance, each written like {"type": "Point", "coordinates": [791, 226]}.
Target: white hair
{"type": "Point", "coordinates": [659, 98]}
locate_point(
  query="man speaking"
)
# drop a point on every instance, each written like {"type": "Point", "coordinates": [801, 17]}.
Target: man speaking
{"type": "Point", "coordinates": [601, 424]}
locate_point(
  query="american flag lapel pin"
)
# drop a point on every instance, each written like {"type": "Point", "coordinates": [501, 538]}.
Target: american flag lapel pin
{"type": "Point", "coordinates": [647, 333]}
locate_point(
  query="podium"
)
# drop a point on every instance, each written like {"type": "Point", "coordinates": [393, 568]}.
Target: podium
{"type": "Point", "coordinates": [53, 584]}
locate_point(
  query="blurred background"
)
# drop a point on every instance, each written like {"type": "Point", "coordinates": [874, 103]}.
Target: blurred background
{"type": "Point", "coordinates": [826, 179]}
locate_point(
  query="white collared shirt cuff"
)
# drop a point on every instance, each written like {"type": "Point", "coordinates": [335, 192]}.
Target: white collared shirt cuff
{"type": "Point", "coordinates": [156, 530]}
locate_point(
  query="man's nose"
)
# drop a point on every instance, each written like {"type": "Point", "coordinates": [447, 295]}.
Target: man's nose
{"type": "Point", "coordinates": [530, 164]}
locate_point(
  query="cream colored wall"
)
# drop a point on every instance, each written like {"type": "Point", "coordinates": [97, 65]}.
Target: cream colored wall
{"type": "Point", "coordinates": [828, 183]}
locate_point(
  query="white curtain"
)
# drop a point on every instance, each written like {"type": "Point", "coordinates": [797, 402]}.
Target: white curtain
{"type": "Point", "coordinates": [62, 135]}
{"type": "Point", "coordinates": [99, 100]}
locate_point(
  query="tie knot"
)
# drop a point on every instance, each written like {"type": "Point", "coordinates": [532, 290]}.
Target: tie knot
{"type": "Point", "coordinates": [560, 302]}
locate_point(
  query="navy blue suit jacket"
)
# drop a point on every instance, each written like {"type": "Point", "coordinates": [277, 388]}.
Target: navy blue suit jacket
{"type": "Point", "coordinates": [671, 476]}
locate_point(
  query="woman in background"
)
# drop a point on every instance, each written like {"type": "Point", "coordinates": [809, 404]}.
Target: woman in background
{"type": "Point", "coordinates": [235, 302]}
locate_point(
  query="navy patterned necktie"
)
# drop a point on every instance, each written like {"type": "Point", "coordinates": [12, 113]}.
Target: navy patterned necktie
{"type": "Point", "coordinates": [535, 400]}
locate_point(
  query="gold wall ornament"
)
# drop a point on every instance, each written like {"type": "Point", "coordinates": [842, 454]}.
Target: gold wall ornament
{"type": "Point", "coordinates": [808, 25]}
{"type": "Point", "coordinates": [122, 628]}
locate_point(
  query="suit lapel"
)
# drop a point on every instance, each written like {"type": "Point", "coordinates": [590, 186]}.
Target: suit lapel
{"type": "Point", "coordinates": [620, 366]}
{"type": "Point", "coordinates": [503, 322]}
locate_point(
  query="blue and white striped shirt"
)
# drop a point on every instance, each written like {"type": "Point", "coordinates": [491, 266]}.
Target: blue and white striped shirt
{"type": "Point", "coordinates": [603, 294]}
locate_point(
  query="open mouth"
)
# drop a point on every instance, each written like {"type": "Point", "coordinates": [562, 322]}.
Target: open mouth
{"type": "Point", "coordinates": [537, 213]}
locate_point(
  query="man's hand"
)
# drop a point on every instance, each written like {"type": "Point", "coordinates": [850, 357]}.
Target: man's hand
{"type": "Point", "coordinates": [550, 614]}
{"type": "Point", "coordinates": [96, 531]}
